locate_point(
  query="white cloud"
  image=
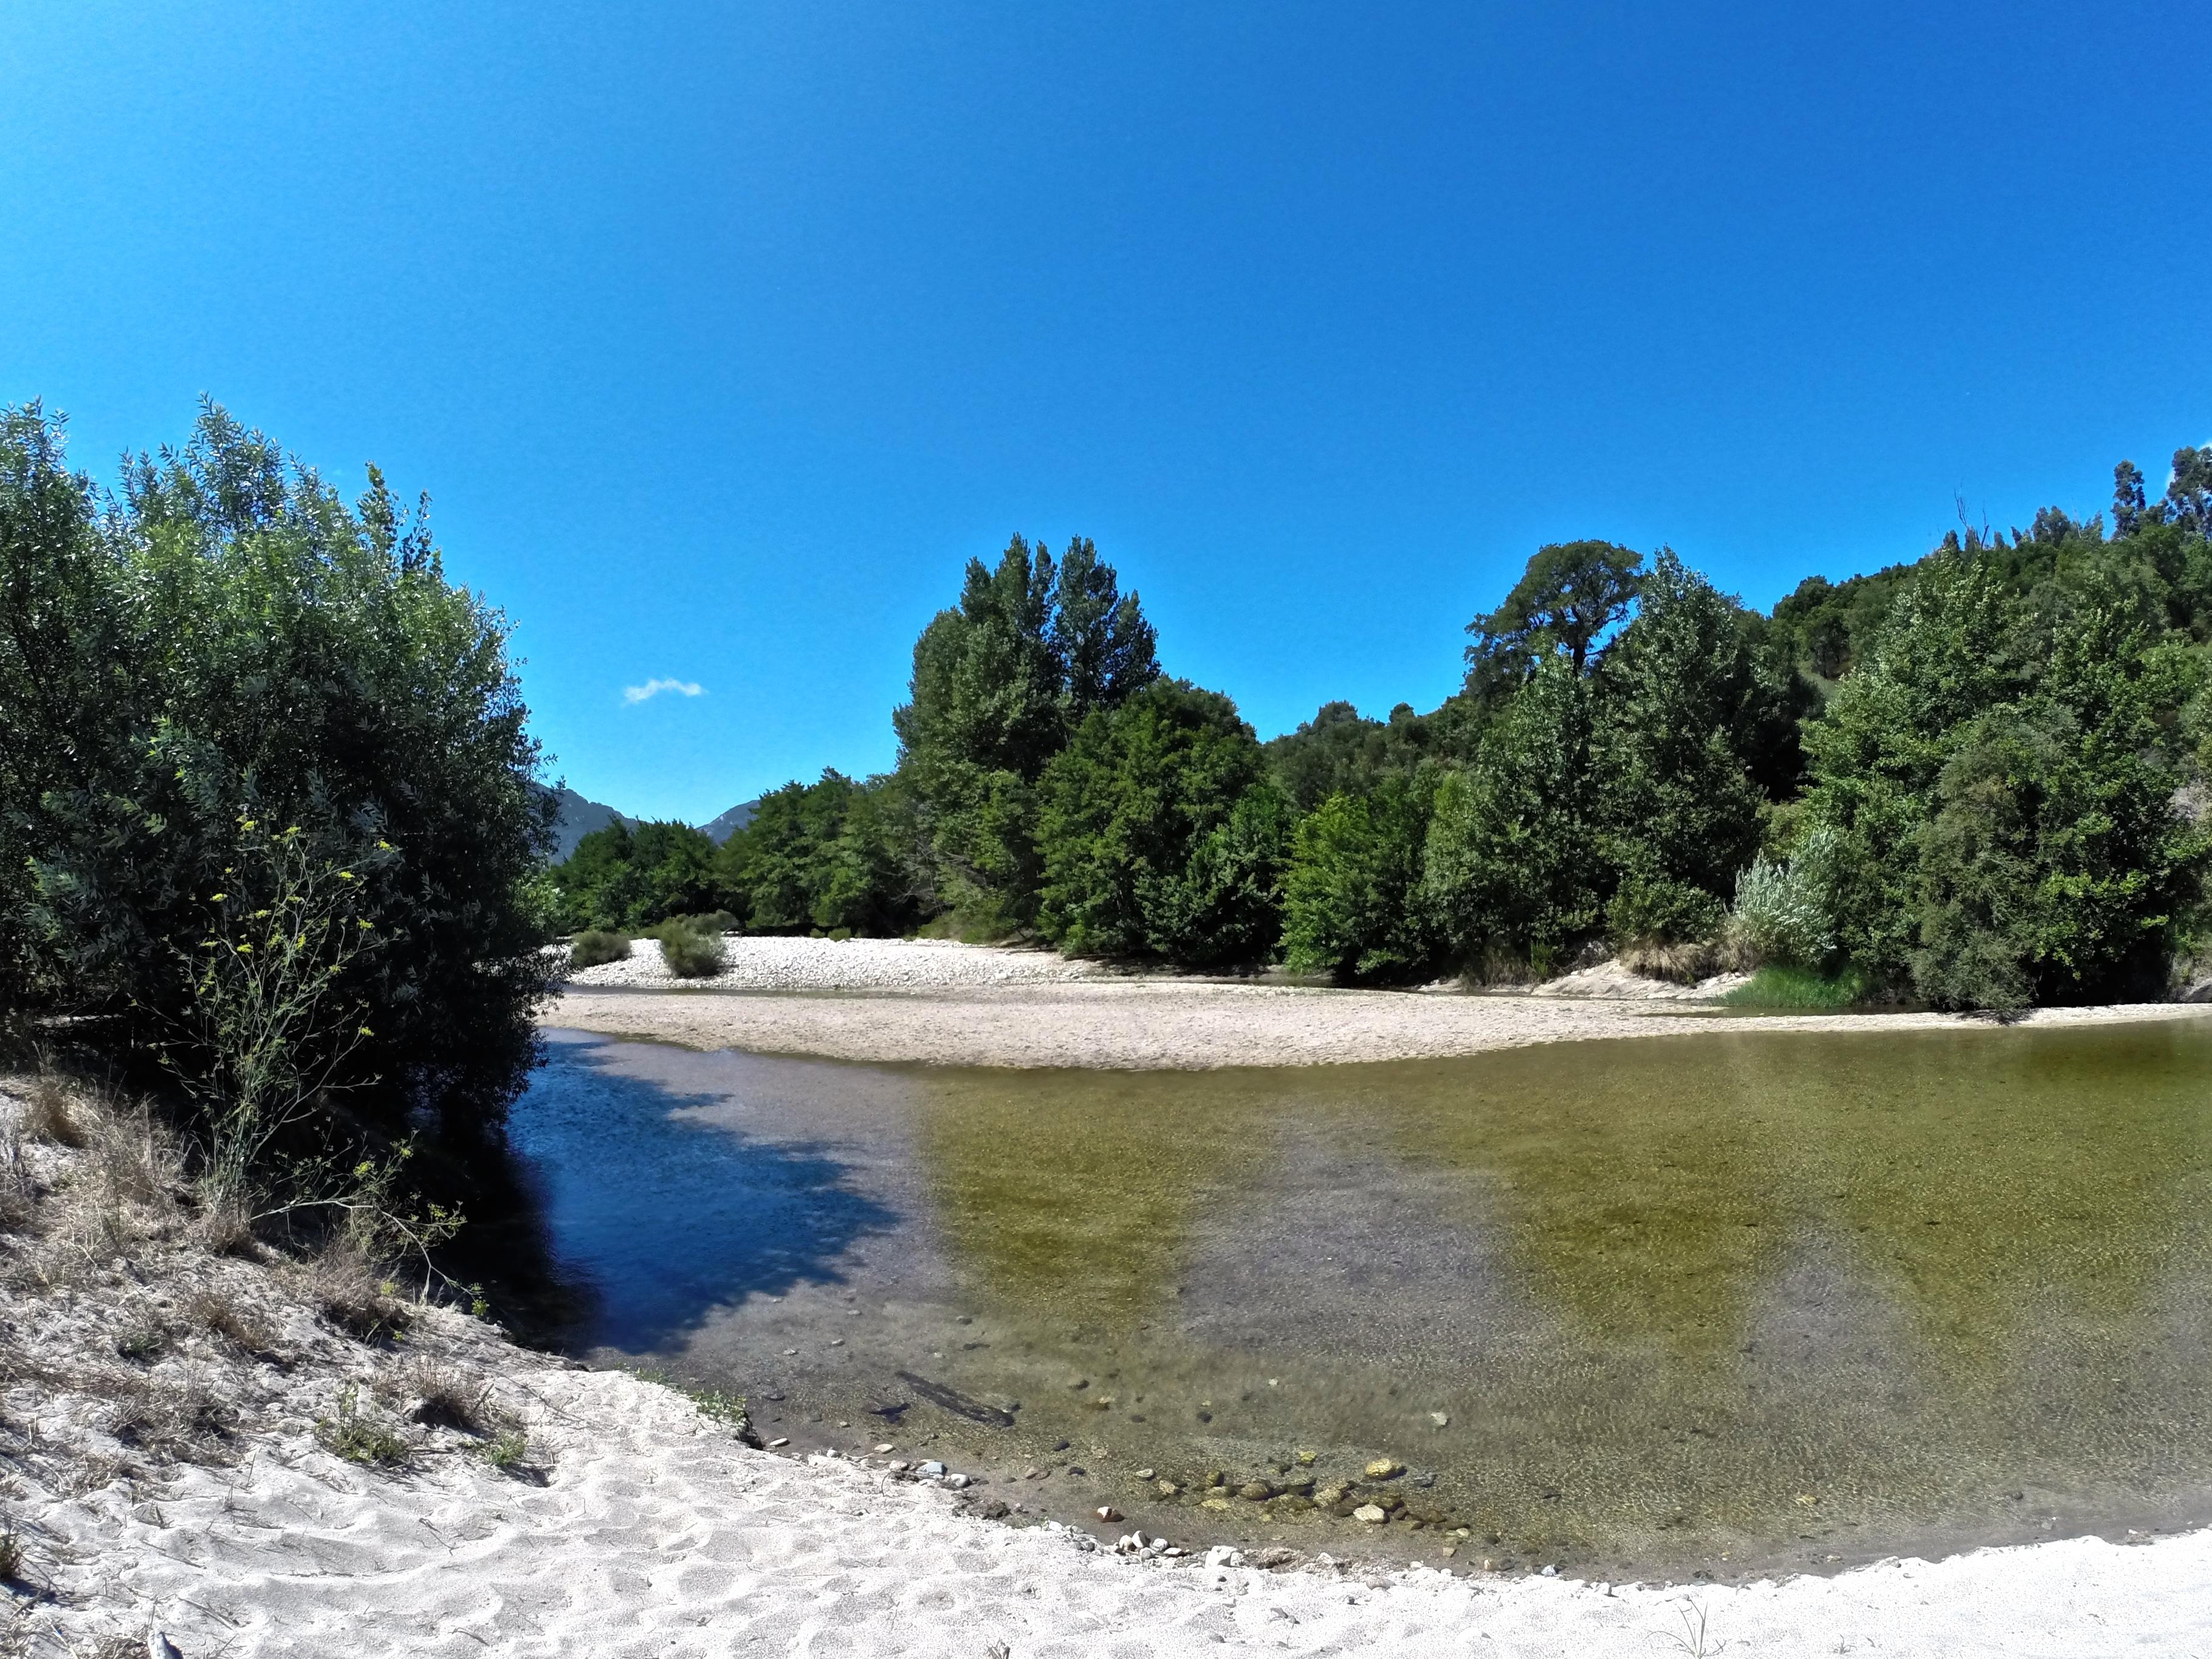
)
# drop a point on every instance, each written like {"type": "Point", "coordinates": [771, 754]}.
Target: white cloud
{"type": "Point", "coordinates": [654, 688]}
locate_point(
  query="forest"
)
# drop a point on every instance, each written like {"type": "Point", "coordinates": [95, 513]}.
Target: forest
{"type": "Point", "coordinates": [1975, 779]}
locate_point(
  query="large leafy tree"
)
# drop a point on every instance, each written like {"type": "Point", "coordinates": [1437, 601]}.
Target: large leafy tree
{"type": "Point", "coordinates": [1137, 827]}
{"type": "Point", "coordinates": [634, 876]}
{"type": "Point", "coordinates": [822, 857]}
{"type": "Point", "coordinates": [1000, 684]}
{"type": "Point", "coordinates": [1512, 866]}
{"type": "Point", "coordinates": [1354, 905]}
{"type": "Point", "coordinates": [1567, 599]}
{"type": "Point", "coordinates": [1682, 703]}
{"type": "Point", "coordinates": [222, 641]}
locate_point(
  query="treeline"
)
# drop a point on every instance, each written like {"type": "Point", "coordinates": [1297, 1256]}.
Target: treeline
{"type": "Point", "coordinates": [1977, 778]}
{"type": "Point", "coordinates": [266, 811]}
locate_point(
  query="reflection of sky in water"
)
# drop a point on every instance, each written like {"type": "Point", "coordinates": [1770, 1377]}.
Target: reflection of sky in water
{"type": "Point", "coordinates": [1760, 1284]}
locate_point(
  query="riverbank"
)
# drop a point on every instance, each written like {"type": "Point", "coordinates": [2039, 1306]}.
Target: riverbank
{"type": "Point", "coordinates": [258, 1456]}
{"type": "Point", "coordinates": [885, 1001]}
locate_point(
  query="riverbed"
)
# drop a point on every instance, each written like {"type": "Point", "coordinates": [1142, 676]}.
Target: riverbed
{"type": "Point", "coordinates": [1746, 1299]}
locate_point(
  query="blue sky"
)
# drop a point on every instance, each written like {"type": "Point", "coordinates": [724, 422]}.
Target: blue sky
{"type": "Point", "coordinates": [721, 335]}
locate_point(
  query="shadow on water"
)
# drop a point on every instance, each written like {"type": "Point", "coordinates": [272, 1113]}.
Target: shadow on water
{"type": "Point", "coordinates": [655, 1211]}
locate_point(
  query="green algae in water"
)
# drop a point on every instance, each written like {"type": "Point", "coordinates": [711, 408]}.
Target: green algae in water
{"type": "Point", "coordinates": [1775, 1294]}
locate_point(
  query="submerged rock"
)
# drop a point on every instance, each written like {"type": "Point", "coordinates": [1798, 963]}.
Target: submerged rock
{"type": "Point", "coordinates": [1384, 1468]}
{"type": "Point", "coordinates": [1374, 1514]}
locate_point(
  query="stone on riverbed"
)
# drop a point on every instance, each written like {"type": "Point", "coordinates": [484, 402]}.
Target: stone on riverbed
{"type": "Point", "coordinates": [1374, 1514]}
{"type": "Point", "coordinates": [1385, 1468]}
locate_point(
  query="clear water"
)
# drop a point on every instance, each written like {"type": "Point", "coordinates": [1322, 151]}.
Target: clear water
{"type": "Point", "coordinates": [1718, 1302]}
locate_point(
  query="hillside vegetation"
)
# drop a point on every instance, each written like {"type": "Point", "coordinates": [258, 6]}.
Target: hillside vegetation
{"type": "Point", "coordinates": [1977, 779]}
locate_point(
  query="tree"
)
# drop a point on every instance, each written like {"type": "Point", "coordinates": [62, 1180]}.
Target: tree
{"type": "Point", "coordinates": [1680, 699]}
{"type": "Point", "coordinates": [1512, 866]}
{"type": "Point", "coordinates": [1948, 653]}
{"type": "Point", "coordinates": [1000, 683]}
{"type": "Point", "coordinates": [1354, 905]}
{"type": "Point", "coordinates": [824, 856]}
{"type": "Point", "coordinates": [1126, 808]}
{"type": "Point", "coordinates": [1569, 596]}
{"type": "Point", "coordinates": [2052, 867]}
{"type": "Point", "coordinates": [226, 640]}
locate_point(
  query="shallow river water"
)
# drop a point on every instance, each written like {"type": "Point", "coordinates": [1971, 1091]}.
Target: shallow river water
{"type": "Point", "coordinates": [1701, 1303]}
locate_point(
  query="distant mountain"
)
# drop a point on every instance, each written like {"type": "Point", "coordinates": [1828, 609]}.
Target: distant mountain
{"type": "Point", "coordinates": [731, 822]}
{"type": "Point", "coordinates": [579, 817]}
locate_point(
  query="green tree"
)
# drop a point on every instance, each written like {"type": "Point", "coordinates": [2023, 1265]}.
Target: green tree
{"type": "Point", "coordinates": [1512, 865]}
{"type": "Point", "coordinates": [1354, 904]}
{"type": "Point", "coordinates": [1948, 653]}
{"type": "Point", "coordinates": [225, 639]}
{"type": "Point", "coordinates": [1681, 698]}
{"type": "Point", "coordinates": [2052, 867]}
{"type": "Point", "coordinates": [1569, 596]}
{"type": "Point", "coordinates": [998, 684]}
{"type": "Point", "coordinates": [822, 857]}
{"type": "Point", "coordinates": [1126, 808]}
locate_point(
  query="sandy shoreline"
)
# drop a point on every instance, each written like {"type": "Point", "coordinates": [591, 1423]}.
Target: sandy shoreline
{"type": "Point", "coordinates": [891, 1001]}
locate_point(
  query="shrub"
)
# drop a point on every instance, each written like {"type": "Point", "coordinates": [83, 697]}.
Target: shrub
{"type": "Point", "coordinates": [688, 955]}
{"type": "Point", "coordinates": [221, 634]}
{"type": "Point", "coordinates": [1785, 912]}
{"type": "Point", "coordinates": [594, 946]}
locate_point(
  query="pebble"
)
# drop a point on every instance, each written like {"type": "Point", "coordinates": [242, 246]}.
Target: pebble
{"type": "Point", "coordinates": [788, 1353]}
{"type": "Point", "coordinates": [885, 1448]}
{"type": "Point", "coordinates": [1146, 1474]}
{"type": "Point", "coordinates": [1551, 1572]}
{"type": "Point", "coordinates": [957, 1482]}
{"type": "Point", "coordinates": [1373, 1514]}
{"type": "Point", "coordinates": [1107, 1512]}
{"type": "Point", "coordinates": [1221, 1555]}
{"type": "Point", "coordinates": [1442, 1419]}
{"type": "Point", "coordinates": [1257, 1491]}
{"type": "Point", "coordinates": [1383, 1468]}
{"type": "Point", "coordinates": [930, 1470]}
{"type": "Point", "coordinates": [781, 1440]}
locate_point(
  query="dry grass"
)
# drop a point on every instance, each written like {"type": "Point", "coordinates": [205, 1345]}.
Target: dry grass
{"type": "Point", "coordinates": [443, 1394]}
{"type": "Point", "coordinates": [347, 1292]}
{"type": "Point", "coordinates": [171, 1422]}
{"type": "Point", "coordinates": [49, 1114]}
{"type": "Point", "coordinates": [228, 1317]}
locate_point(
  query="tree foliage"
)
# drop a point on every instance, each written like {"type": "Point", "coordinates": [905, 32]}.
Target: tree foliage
{"type": "Point", "coordinates": [224, 639]}
{"type": "Point", "coordinates": [999, 684]}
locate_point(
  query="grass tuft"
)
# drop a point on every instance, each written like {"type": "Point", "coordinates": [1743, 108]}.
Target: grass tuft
{"type": "Point", "coordinates": [359, 1438]}
{"type": "Point", "coordinates": [1775, 986]}
{"type": "Point", "coordinates": [507, 1451]}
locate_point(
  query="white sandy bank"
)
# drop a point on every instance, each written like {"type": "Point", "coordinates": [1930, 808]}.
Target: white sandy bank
{"type": "Point", "coordinates": [656, 1534]}
{"type": "Point", "coordinates": [888, 1000]}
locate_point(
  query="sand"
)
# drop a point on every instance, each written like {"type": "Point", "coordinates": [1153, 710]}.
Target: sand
{"type": "Point", "coordinates": [656, 1534]}
{"type": "Point", "coordinates": [895, 1000]}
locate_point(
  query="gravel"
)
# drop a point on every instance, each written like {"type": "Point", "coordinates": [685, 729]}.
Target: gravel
{"type": "Point", "coordinates": [760, 963]}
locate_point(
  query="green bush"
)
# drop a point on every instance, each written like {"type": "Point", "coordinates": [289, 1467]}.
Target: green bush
{"type": "Point", "coordinates": [690, 955]}
{"type": "Point", "coordinates": [1785, 912]}
{"type": "Point", "coordinates": [593, 946]}
{"type": "Point", "coordinates": [224, 639]}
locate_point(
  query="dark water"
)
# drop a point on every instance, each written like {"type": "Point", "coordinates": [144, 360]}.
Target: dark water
{"type": "Point", "coordinates": [1756, 1298]}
